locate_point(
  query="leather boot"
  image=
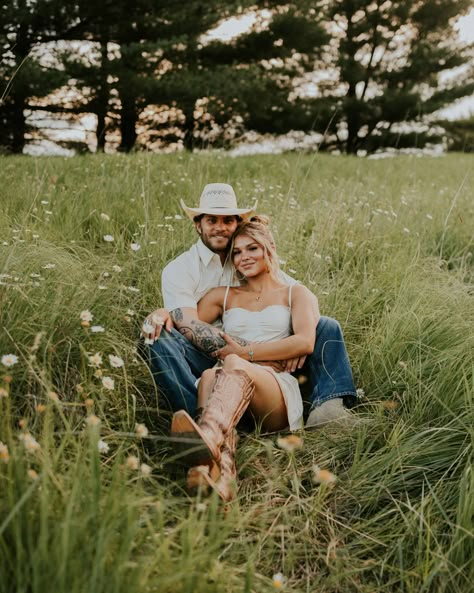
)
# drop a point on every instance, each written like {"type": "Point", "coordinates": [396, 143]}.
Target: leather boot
{"type": "Point", "coordinates": [230, 397]}
{"type": "Point", "coordinates": [220, 477]}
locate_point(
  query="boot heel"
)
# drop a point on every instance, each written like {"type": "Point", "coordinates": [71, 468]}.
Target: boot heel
{"type": "Point", "coordinates": [202, 477]}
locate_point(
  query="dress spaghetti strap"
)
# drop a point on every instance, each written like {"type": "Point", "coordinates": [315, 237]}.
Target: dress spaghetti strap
{"type": "Point", "coordinates": [225, 298]}
{"type": "Point", "coordinates": [289, 296]}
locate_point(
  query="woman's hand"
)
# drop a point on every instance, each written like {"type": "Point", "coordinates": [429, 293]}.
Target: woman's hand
{"type": "Point", "coordinates": [231, 347]}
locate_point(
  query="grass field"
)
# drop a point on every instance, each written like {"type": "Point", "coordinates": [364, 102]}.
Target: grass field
{"type": "Point", "coordinates": [90, 503]}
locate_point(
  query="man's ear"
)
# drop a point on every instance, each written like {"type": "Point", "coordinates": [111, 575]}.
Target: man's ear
{"type": "Point", "coordinates": [198, 227]}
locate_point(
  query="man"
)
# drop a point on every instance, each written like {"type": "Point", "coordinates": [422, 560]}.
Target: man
{"type": "Point", "coordinates": [179, 355]}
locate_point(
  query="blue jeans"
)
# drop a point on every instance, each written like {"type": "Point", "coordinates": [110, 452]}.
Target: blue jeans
{"type": "Point", "coordinates": [176, 364]}
{"type": "Point", "coordinates": [328, 367]}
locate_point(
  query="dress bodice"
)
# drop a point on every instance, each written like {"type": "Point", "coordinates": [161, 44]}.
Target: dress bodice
{"type": "Point", "coordinates": [269, 324]}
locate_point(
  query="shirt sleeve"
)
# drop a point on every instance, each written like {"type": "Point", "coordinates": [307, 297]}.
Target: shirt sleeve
{"type": "Point", "coordinates": [178, 287]}
{"type": "Point", "coordinates": [287, 279]}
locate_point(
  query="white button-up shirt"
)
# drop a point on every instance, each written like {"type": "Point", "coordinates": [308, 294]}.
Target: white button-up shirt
{"type": "Point", "coordinates": [186, 279]}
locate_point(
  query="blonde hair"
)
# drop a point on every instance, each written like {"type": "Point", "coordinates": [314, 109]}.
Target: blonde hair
{"type": "Point", "coordinates": [257, 229]}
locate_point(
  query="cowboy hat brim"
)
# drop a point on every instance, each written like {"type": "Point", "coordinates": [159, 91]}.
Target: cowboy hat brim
{"type": "Point", "coordinates": [242, 212]}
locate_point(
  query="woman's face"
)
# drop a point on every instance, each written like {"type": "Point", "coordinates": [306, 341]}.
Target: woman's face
{"type": "Point", "coordinates": [248, 256]}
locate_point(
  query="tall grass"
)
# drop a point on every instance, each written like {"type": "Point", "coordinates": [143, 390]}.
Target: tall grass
{"type": "Point", "coordinates": [90, 502]}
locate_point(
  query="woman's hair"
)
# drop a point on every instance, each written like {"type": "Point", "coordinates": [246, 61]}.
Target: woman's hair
{"type": "Point", "coordinates": [257, 229]}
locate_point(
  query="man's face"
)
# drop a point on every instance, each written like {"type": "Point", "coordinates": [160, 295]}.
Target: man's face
{"type": "Point", "coordinates": [216, 231]}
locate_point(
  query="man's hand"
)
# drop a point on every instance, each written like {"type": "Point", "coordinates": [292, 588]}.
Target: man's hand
{"type": "Point", "coordinates": [154, 323]}
{"type": "Point", "coordinates": [292, 364]}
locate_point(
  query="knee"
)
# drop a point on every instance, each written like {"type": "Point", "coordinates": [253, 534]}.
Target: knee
{"type": "Point", "coordinates": [329, 328]}
{"type": "Point", "coordinates": [208, 375]}
{"type": "Point", "coordinates": [233, 362]}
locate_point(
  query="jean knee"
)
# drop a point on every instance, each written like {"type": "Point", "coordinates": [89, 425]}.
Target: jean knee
{"type": "Point", "coordinates": [330, 328]}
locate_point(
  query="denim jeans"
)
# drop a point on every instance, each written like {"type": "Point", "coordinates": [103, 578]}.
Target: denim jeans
{"type": "Point", "coordinates": [176, 364]}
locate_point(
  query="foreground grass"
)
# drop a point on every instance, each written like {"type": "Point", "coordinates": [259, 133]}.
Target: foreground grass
{"type": "Point", "coordinates": [387, 247]}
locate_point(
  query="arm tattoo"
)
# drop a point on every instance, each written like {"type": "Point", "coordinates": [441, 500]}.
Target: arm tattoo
{"type": "Point", "coordinates": [176, 315]}
{"type": "Point", "coordinates": [206, 337]}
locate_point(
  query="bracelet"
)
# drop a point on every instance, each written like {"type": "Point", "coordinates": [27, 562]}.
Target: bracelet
{"type": "Point", "coordinates": [251, 353]}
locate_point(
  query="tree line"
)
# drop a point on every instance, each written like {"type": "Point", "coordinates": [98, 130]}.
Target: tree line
{"type": "Point", "coordinates": [374, 69]}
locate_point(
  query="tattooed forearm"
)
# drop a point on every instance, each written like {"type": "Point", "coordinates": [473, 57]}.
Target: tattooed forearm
{"type": "Point", "coordinates": [206, 337]}
{"type": "Point", "coordinates": [176, 315]}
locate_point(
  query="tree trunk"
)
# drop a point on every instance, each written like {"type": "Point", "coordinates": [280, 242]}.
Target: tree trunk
{"type": "Point", "coordinates": [18, 123]}
{"type": "Point", "coordinates": [102, 97]}
{"type": "Point", "coordinates": [128, 120]}
{"type": "Point", "coordinates": [189, 140]}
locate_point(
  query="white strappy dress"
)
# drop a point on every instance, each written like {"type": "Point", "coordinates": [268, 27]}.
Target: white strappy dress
{"type": "Point", "coordinates": [268, 325]}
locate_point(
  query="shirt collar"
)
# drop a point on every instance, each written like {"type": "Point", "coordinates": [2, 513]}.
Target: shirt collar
{"type": "Point", "coordinates": [205, 253]}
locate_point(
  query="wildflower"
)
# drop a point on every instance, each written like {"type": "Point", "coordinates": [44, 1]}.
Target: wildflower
{"type": "Point", "coordinates": [105, 216]}
{"type": "Point", "coordinates": [133, 289]}
{"type": "Point", "coordinates": [108, 383]}
{"type": "Point", "coordinates": [29, 442]}
{"type": "Point", "coordinates": [178, 217]}
{"type": "Point", "coordinates": [9, 360]}
{"type": "Point", "coordinates": [390, 405]}
{"type": "Point", "coordinates": [402, 364]}
{"type": "Point", "coordinates": [108, 238]}
{"type": "Point", "coordinates": [79, 388]}
{"type": "Point", "coordinates": [32, 474]}
{"type": "Point", "coordinates": [405, 230]}
{"type": "Point", "coordinates": [350, 244]}
{"type": "Point", "coordinates": [323, 476]}
{"type": "Point", "coordinates": [145, 470]}
{"type": "Point", "coordinates": [95, 360]}
{"type": "Point", "coordinates": [92, 420]}
{"type": "Point", "coordinates": [53, 395]}
{"type": "Point", "coordinates": [290, 443]}
{"type": "Point", "coordinates": [116, 269]}
{"type": "Point", "coordinates": [86, 316]}
{"type": "Point", "coordinates": [97, 329]}
{"type": "Point", "coordinates": [360, 392]}
{"type": "Point", "coordinates": [132, 462]}
{"type": "Point", "coordinates": [3, 392]}
{"type": "Point", "coordinates": [40, 408]}
{"type": "Point", "coordinates": [98, 373]}
{"type": "Point", "coordinates": [278, 580]}
{"type": "Point", "coordinates": [4, 454]}
{"type": "Point", "coordinates": [102, 287]}
{"type": "Point", "coordinates": [135, 247]}
{"type": "Point", "coordinates": [115, 361]}
{"type": "Point", "coordinates": [103, 446]}
{"type": "Point", "coordinates": [89, 402]}
{"type": "Point", "coordinates": [429, 217]}
{"type": "Point", "coordinates": [49, 266]}
{"type": "Point", "coordinates": [130, 312]}
{"type": "Point", "coordinates": [141, 430]}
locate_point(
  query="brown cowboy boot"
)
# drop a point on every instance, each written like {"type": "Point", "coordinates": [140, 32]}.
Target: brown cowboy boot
{"type": "Point", "coordinates": [220, 477]}
{"type": "Point", "coordinates": [230, 397]}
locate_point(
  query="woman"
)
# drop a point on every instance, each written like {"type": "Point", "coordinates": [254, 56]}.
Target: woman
{"type": "Point", "coordinates": [272, 318]}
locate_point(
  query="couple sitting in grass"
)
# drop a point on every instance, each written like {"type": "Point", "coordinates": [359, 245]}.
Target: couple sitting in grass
{"type": "Point", "coordinates": [236, 331]}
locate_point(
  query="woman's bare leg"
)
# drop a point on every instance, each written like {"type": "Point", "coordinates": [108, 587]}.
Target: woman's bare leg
{"type": "Point", "coordinates": [268, 404]}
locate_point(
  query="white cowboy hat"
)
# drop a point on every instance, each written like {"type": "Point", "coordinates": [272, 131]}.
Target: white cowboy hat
{"type": "Point", "coordinates": [218, 199]}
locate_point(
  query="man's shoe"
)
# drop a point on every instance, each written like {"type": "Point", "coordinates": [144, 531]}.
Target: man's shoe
{"type": "Point", "coordinates": [331, 411]}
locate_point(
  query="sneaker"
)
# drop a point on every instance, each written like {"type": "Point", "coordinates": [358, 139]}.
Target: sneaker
{"type": "Point", "coordinates": [332, 410]}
